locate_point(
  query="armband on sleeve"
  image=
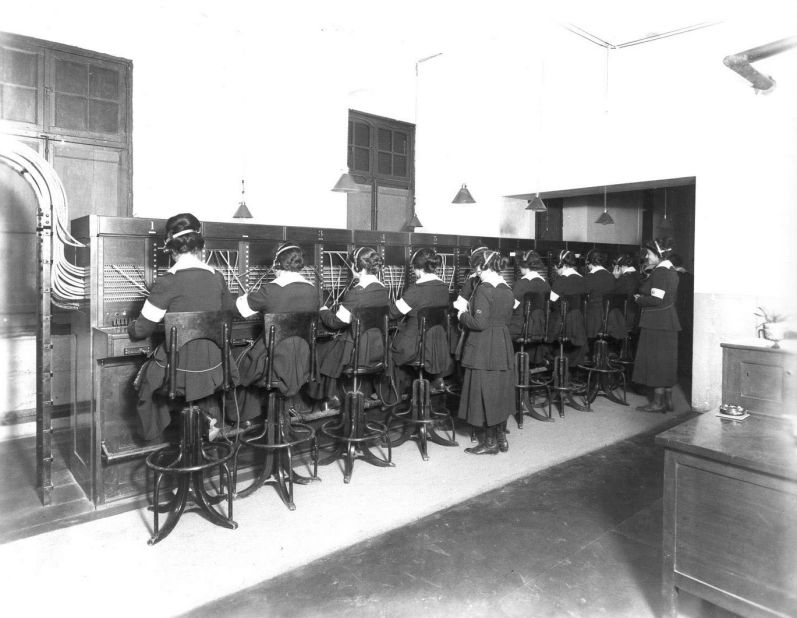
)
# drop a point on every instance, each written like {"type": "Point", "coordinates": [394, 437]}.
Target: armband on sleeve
{"type": "Point", "coordinates": [152, 313]}
{"type": "Point", "coordinates": [657, 293]}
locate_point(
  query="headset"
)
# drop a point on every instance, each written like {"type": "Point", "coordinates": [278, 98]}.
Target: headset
{"type": "Point", "coordinates": [283, 248]}
{"type": "Point", "coordinates": [166, 248]}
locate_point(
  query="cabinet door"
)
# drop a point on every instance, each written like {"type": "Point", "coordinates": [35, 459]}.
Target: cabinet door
{"type": "Point", "coordinates": [94, 178]}
{"type": "Point", "coordinates": [87, 97]}
{"type": "Point", "coordinates": [21, 86]}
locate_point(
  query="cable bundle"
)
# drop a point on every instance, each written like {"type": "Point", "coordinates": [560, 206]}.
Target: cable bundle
{"type": "Point", "coordinates": [68, 283]}
{"type": "Point", "coordinates": [393, 279]}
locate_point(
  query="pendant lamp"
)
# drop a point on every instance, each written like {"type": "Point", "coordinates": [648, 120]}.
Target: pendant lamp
{"type": "Point", "coordinates": [536, 204]}
{"type": "Point", "coordinates": [346, 184]}
{"type": "Point", "coordinates": [243, 210]}
{"type": "Point", "coordinates": [463, 196]}
{"type": "Point", "coordinates": [605, 218]}
{"type": "Point", "coordinates": [665, 223]}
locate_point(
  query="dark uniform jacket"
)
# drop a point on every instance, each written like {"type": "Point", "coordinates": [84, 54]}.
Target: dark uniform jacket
{"type": "Point", "coordinates": [336, 354]}
{"type": "Point", "coordinates": [628, 283]}
{"type": "Point", "coordinates": [288, 293]}
{"type": "Point", "coordinates": [489, 345]}
{"type": "Point", "coordinates": [428, 291]}
{"type": "Point", "coordinates": [190, 285]}
{"type": "Point", "coordinates": [658, 297]}
{"type": "Point", "coordinates": [570, 287]}
{"type": "Point", "coordinates": [599, 283]}
{"type": "Point", "coordinates": [531, 283]}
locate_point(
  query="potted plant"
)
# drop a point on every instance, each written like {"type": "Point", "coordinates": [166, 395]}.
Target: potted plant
{"type": "Point", "coordinates": [772, 326]}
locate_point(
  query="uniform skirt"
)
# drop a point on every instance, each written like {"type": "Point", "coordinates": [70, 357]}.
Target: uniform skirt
{"type": "Point", "coordinates": [488, 397]}
{"type": "Point", "coordinates": [656, 361]}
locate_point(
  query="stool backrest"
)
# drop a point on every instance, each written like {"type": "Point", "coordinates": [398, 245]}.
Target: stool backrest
{"type": "Point", "coordinates": [278, 327]}
{"type": "Point", "coordinates": [532, 301]}
{"type": "Point", "coordinates": [428, 318]}
{"type": "Point", "coordinates": [182, 327]}
{"type": "Point", "coordinates": [364, 319]}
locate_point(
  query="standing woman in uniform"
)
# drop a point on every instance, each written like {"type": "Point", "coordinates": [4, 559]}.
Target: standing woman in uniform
{"type": "Point", "coordinates": [289, 292]}
{"type": "Point", "coordinates": [464, 297]}
{"type": "Point", "coordinates": [369, 292]}
{"type": "Point", "coordinates": [189, 285]}
{"type": "Point", "coordinates": [428, 290]}
{"type": "Point", "coordinates": [488, 388]}
{"type": "Point", "coordinates": [570, 286]}
{"type": "Point", "coordinates": [531, 281]}
{"type": "Point", "coordinates": [656, 362]}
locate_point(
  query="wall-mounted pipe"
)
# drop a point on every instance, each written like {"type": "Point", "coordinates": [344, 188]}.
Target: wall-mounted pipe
{"type": "Point", "coordinates": [741, 62]}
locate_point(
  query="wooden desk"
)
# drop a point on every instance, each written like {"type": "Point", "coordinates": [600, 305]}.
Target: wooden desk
{"type": "Point", "coordinates": [730, 514]}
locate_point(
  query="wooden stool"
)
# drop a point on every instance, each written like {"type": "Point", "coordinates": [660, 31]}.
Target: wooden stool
{"type": "Point", "coordinates": [532, 301]}
{"type": "Point", "coordinates": [189, 460]}
{"type": "Point", "coordinates": [279, 434]}
{"type": "Point", "coordinates": [601, 364]}
{"type": "Point", "coordinates": [355, 431]}
{"type": "Point", "coordinates": [561, 385]}
{"type": "Point", "coordinates": [421, 418]}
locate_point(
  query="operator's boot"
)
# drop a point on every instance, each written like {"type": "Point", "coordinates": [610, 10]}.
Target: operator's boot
{"type": "Point", "coordinates": [657, 405]}
{"type": "Point", "coordinates": [488, 447]}
{"type": "Point", "coordinates": [668, 399]}
{"type": "Point", "coordinates": [503, 443]}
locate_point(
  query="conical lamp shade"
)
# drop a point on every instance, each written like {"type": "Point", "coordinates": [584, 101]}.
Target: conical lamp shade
{"type": "Point", "coordinates": [605, 219]}
{"type": "Point", "coordinates": [536, 204]}
{"type": "Point", "coordinates": [665, 224]}
{"type": "Point", "coordinates": [346, 184]}
{"type": "Point", "coordinates": [242, 212]}
{"type": "Point", "coordinates": [413, 223]}
{"type": "Point", "coordinates": [463, 197]}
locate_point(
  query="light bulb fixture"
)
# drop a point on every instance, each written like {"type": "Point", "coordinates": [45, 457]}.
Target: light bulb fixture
{"type": "Point", "coordinates": [243, 210]}
{"type": "Point", "coordinates": [665, 223]}
{"type": "Point", "coordinates": [414, 221]}
{"type": "Point", "coordinates": [346, 184]}
{"type": "Point", "coordinates": [463, 196]}
{"type": "Point", "coordinates": [536, 204]}
{"type": "Point", "coordinates": [605, 218]}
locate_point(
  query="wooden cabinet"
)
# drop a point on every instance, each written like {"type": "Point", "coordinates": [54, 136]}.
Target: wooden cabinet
{"type": "Point", "coordinates": [730, 514]}
{"type": "Point", "coordinates": [759, 377]}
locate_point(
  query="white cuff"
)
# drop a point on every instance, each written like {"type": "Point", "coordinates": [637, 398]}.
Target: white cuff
{"type": "Point", "coordinates": [152, 313]}
{"type": "Point", "coordinates": [243, 306]}
{"type": "Point", "coordinates": [343, 314]}
{"type": "Point", "coordinates": [461, 304]}
{"type": "Point", "coordinates": [516, 305]}
{"type": "Point", "coordinates": [657, 293]}
{"type": "Point", "coordinates": [554, 297]}
{"type": "Point", "coordinates": [324, 308]}
{"type": "Point", "coordinates": [402, 306]}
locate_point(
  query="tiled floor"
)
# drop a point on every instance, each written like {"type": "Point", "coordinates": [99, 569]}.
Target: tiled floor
{"type": "Point", "coordinates": [582, 538]}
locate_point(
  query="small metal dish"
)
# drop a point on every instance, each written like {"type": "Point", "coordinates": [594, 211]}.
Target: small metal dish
{"type": "Point", "coordinates": [732, 409]}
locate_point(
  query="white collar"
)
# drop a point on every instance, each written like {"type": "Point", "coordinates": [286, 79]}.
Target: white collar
{"type": "Point", "coordinates": [627, 269]}
{"type": "Point", "coordinates": [427, 277]}
{"type": "Point", "coordinates": [532, 274]}
{"type": "Point", "coordinates": [189, 260]}
{"type": "Point", "coordinates": [288, 276]}
{"type": "Point", "coordinates": [595, 269]}
{"type": "Point", "coordinates": [367, 279]}
{"type": "Point", "coordinates": [569, 270]}
{"type": "Point", "coordinates": [492, 277]}
{"type": "Point", "coordinates": [664, 264]}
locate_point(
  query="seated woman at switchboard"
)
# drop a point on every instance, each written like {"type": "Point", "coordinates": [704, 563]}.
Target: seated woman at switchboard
{"type": "Point", "coordinates": [189, 285]}
{"type": "Point", "coordinates": [530, 282]}
{"type": "Point", "coordinates": [427, 291]}
{"type": "Point", "coordinates": [628, 282]}
{"type": "Point", "coordinates": [569, 286]}
{"type": "Point", "coordinates": [288, 292]}
{"type": "Point", "coordinates": [599, 283]}
{"type": "Point", "coordinates": [488, 388]}
{"type": "Point", "coordinates": [333, 356]}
